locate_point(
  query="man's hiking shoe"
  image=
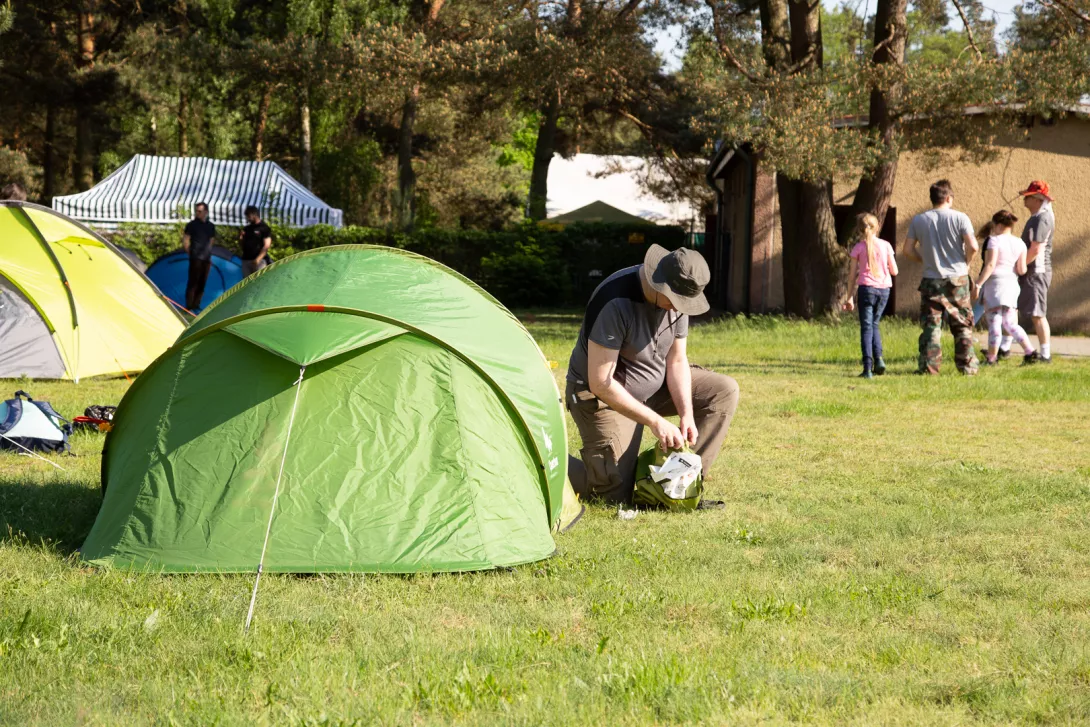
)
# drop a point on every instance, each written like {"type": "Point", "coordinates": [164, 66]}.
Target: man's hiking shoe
{"type": "Point", "coordinates": [879, 367]}
{"type": "Point", "coordinates": [1031, 358]}
{"type": "Point", "coordinates": [1042, 359]}
{"type": "Point", "coordinates": [866, 374]}
{"type": "Point", "coordinates": [711, 505]}
{"type": "Point", "coordinates": [991, 363]}
{"type": "Point", "coordinates": [1003, 354]}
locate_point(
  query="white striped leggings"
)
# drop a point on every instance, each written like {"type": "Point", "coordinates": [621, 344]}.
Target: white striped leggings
{"type": "Point", "coordinates": [1004, 319]}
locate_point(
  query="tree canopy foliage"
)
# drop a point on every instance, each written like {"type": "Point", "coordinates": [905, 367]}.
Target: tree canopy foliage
{"type": "Point", "coordinates": [410, 113]}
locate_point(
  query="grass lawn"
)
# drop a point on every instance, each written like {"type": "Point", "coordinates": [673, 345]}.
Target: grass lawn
{"type": "Point", "coordinates": [899, 551]}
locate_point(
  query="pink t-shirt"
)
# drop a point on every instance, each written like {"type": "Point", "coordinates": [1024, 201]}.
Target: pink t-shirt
{"type": "Point", "coordinates": [881, 277]}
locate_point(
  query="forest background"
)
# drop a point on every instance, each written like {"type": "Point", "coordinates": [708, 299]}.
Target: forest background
{"type": "Point", "coordinates": [418, 115]}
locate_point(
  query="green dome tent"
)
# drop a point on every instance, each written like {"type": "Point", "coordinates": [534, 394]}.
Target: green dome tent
{"type": "Point", "coordinates": [351, 408]}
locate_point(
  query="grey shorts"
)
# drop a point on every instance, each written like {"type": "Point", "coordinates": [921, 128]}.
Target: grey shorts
{"type": "Point", "coordinates": [1033, 299]}
{"type": "Point", "coordinates": [249, 267]}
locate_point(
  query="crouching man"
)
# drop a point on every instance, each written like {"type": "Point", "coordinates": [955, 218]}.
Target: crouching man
{"type": "Point", "coordinates": [629, 369]}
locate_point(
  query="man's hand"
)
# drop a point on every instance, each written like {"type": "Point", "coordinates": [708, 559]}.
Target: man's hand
{"type": "Point", "coordinates": [669, 436]}
{"type": "Point", "coordinates": [688, 430]}
{"type": "Point", "coordinates": [849, 304]}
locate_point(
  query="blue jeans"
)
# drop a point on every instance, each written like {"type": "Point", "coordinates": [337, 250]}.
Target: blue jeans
{"type": "Point", "coordinates": [872, 304]}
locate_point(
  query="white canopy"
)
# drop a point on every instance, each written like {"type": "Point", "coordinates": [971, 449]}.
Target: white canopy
{"type": "Point", "coordinates": [163, 190]}
{"type": "Point", "coordinates": [615, 180]}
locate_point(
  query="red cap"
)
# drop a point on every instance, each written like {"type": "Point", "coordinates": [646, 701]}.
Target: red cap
{"type": "Point", "coordinates": [1037, 187]}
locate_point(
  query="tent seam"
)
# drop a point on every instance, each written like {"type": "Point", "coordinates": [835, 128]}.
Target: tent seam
{"type": "Point", "coordinates": [158, 436]}
{"type": "Point", "coordinates": [278, 354]}
{"type": "Point", "coordinates": [475, 495]}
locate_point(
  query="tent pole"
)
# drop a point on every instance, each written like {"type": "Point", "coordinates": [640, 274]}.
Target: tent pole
{"type": "Point", "coordinates": [276, 495]}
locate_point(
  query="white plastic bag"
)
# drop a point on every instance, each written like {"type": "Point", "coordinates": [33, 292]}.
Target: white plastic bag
{"type": "Point", "coordinates": [676, 474]}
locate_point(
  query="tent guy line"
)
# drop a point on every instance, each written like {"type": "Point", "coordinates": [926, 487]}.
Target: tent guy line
{"type": "Point", "coordinates": [276, 496]}
{"type": "Point", "coordinates": [34, 454]}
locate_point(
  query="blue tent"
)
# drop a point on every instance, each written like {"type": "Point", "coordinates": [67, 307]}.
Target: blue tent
{"type": "Point", "coordinates": [170, 273]}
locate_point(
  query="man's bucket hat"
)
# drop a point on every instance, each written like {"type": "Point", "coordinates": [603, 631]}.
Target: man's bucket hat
{"type": "Point", "coordinates": [680, 275]}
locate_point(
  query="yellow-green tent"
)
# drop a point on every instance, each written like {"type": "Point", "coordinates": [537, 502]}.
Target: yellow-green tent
{"type": "Point", "coordinates": [71, 305]}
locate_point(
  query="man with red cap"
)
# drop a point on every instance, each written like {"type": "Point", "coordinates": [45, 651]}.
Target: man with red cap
{"type": "Point", "coordinates": [629, 369]}
{"type": "Point", "coordinates": [1037, 234]}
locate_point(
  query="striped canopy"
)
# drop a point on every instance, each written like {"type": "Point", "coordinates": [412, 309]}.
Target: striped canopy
{"type": "Point", "coordinates": [164, 190]}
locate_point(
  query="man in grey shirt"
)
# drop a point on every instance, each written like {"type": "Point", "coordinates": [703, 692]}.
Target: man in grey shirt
{"type": "Point", "coordinates": [630, 369]}
{"type": "Point", "coordinates": [943, 240]}
{"type": "Point", "coordinates": [1037, 234]}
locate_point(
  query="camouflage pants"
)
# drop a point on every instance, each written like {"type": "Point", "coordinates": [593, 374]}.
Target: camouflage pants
{"type": "Point", "coordinates": [949, 296]}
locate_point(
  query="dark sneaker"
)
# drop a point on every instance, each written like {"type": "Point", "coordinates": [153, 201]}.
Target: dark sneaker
{"type": "Point", "coordinates": [879, 367]}
{"type": "Point", "coordinates": [1003, 354]}
{"type": "Point", "coordinates": [866, 374]}
{"type": "Point", "coordinates": [991, 363]}
{"type": "Point", "coordinates": [711, 505]}
{"type": "Point", "coordinates": [1042, 359]}
{"type": "Point", "coordinates": [1031, 358]}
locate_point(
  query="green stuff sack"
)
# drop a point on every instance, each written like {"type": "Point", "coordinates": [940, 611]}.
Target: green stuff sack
{"type": "Point", "coordinates": [650, 495]}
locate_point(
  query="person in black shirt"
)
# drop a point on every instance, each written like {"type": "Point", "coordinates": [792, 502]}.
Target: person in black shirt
{"type": "Point", "coordinates": [254, 239]}
{"type": "Point", "coordinates": [197, 240]}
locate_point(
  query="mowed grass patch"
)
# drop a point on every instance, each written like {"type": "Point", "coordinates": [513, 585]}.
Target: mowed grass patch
{"type": "Point", "coordinates": [905, 550]}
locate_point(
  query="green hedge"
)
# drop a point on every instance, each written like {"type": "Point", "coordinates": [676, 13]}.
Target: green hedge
{"type": "Point", "coordinates": [526, 266]}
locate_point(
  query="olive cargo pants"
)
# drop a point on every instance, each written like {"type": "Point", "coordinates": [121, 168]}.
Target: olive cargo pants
{"type": "Point", "coordinates": [606, 469]}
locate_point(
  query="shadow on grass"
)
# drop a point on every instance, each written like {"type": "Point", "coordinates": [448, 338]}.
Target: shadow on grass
{"type": "Point", "coordinates": [56, 513]}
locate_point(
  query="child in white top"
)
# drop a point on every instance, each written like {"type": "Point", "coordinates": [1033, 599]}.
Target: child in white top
{"type": "Point", "coordinates": [997, 285]}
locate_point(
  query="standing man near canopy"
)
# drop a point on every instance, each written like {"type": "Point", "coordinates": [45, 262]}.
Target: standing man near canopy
{"type": "Point", "coordinates": [629, 369]}
{"type": "Point", "coordinates": [255, 239]}
{"type": "Point", "coordinates": [197, 240]}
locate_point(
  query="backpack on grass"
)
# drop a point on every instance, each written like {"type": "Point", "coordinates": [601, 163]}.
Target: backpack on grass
{"type": "Point", "coordinates": [32, 425]}
{"type": "Point", "coordinates": [668, 480]}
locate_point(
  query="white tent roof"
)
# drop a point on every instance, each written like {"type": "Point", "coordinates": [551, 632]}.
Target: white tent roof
{"type": "Point", "coordinates": [152, 189]}
{"type": "Point", "coordinates": [573, 184]}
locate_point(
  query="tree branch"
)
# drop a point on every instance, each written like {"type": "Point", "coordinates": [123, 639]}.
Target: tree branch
{"type": "Point", "coordinates": [968, 30]}
{"type": "Point", "coordinates": [627, 10]}
{"type": "Point", "coordinates": [1068, 7]}
{"type": "Point", "coordinates": [724, 49]}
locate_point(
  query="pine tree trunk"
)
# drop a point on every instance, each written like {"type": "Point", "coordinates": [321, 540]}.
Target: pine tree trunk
{"type": "Point", "coordinates": [406, 177]}
{"type": "Point", "coordinates": [813, 262]}
{"type": "Point", "coordinates": [875, 189]}
{"type": "Point", "coordinates": [183, 124]}
{"type": "Point", "coordinates": [85, 153]}
{"type": "Point", "coordinates": [49, 160]}
{"type": "Point", "coordinates": [307, 156]}
{"type": "Point", "coordinates": [262, 123]}
{"type": "Point", "coordinates": [544, 150]}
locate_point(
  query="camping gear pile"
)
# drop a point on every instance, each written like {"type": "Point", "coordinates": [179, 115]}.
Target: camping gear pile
{"type": "Point", "coordinates": [669, 481]}
{"type": "Point", "coordinates": [32, 426]}
{"type": "Point", "coordinates": [71, 305]}
{"type": "Point", "coordinates": [96, 418]}
{"type": "Point", "coordinates": [394, 418]}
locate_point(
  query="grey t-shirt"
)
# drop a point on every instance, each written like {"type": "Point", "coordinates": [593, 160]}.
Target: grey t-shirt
{"type": "Point", "coordinates": [619, 317]}
{"type": "Point", "coordinates": [942, 246]}
{"type": "Point", "coordinates": [1040, 227]}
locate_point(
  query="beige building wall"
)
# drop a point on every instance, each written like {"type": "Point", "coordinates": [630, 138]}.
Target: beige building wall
{"type": "Point", "coordinates": [1058, 154]}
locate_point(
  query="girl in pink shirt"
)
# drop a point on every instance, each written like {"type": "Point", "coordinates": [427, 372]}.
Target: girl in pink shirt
{"type": "Point", "coordinates": [871, 269]}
